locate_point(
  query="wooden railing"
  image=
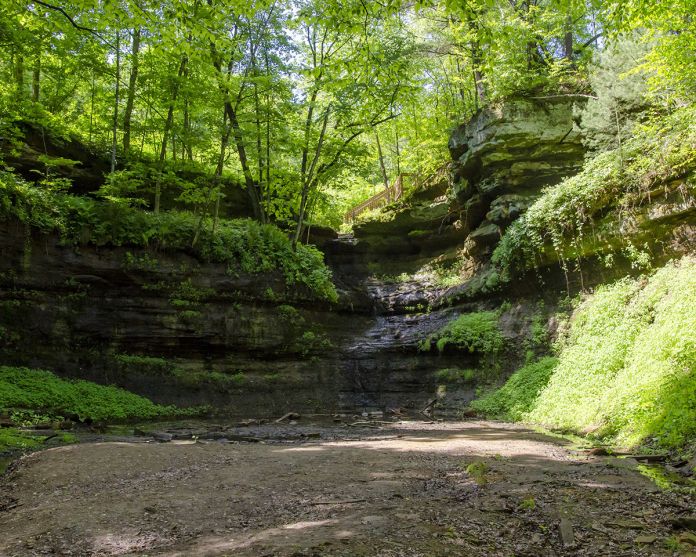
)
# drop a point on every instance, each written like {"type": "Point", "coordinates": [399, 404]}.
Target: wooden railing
{"type": "Point", "coordinates": [386, 196]}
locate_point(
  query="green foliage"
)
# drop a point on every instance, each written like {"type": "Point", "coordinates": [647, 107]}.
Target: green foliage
{"type": "Point", "coordinates": [474, 332]}
{"type": "Point", "coordinates": [478, 470]}
{"type": "Point", "coordinates": [538, 337]}
{"type": "Point", "coordinates": [626, 369]}
{"type": "Point", "coordinates": [560, 223]}
{"type": "Point", "coordinates": [620, 94]}
{"type": "Point", "coordinates": [187, 296]}
{"type": "Point", "coordinates": [311, 341]}
{"type": "Point", "coordinates": [301, 337]}
{"type": "Point", "coordinates": [518, 395]}
{"type": "Point", "coordinates": [454, 375]}
{"type": "Point", "coordinates": [12, 439]}
{"type": "Point", "coordinates": [27, 418]}
{"type": "Point", "coordinates": [23, 388]}
{"type": "Point", "coordinates": [289, 314]}
{"type": "Point", "coordinates": [140, 262]}
{"type": "Point", "coordinates": [670, 66]}
{"type": "Point", "coordinates": [244, 245]}
{"type": "Point", "coordinates": [148, 365]}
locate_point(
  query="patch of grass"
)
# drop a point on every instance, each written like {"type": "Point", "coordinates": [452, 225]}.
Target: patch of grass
{"type": "Point", "coordinates": [518, 395]}
{"type": "Point", "coordinates": [629, 366]}
{"type": "Point", "coordinates": [67, 438]}
{"type": "Point", "coordinates": [478, 471]}
{"type": "Point", "coordinates": [668, 481]}
{"type": "Point", "coordinates": [42, 391]}
{"type": "Point", "coordinates": [13, 439]}
{"type": "Point", "coordinates": [243, 244]}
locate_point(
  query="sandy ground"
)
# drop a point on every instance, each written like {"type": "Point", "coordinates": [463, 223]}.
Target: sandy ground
{"type": "Point", "coordinates": [402, 490]}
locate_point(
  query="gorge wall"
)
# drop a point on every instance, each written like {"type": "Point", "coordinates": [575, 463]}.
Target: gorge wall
{"type": "Point", "coordinates": [165, 325]}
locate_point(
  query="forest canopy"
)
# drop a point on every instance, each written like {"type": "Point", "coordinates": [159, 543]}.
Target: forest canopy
{"type": "Point", "coordinates": [310, 106]}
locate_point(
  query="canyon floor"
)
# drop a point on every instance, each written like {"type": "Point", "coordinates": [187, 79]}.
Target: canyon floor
{"type": "Point", "coordinates": [405, 488]}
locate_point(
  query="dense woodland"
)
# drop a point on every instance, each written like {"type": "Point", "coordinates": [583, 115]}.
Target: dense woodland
{"type": "Point", "coordinates": [314, 106]}
{"type": "Point", "coordinates": [318, 247]}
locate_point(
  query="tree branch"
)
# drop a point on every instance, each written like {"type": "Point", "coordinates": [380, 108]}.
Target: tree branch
{"type": "Point", "coordinates": [67, 16]}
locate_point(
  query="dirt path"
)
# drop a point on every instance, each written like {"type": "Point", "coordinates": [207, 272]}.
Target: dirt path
{"type": "Point", "coordinates": [400, 491]}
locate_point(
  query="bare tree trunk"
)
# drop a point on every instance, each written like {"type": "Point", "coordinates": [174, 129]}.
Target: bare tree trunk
{"type": "Point", "coordinates": [130, 98]}
{"type": "Point", "coordinates": [397, 141]}
{"type": "Point", "coordinates": [251, 186]}
{"type": "Point", "coordinates": [167, 129]}
{"type": "Point", "coordinates": [224, 142]}
{"type": "Point", "coordinates": [36, 79]}
{"type": "Point", "coordinates": [310, 176]}
{"type": "Point", "coordinates": [382, 167]}
{"type": "Point", "coordinates": [268, 134]}
{"type": "Point", "coordinates": [19, 76]}
{"type": "Point", "coordinates": [91, 111]}
{"type": "Point", "coordinates": [188, 149]}
{"type": "Point", "coordinates": [568, 39]}
{"type": "Point", "coordinates": [116, 99]}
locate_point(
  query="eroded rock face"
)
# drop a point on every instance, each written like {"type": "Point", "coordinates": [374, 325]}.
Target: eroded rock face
{"type": "Point", "coordinates": [517, 147]}
{"type": "Point", "coordinates": [245, 344]}
{"type": "Point", "coordinates": [180, 331]}
{"type": "Point", "coordinates": [502, 159]}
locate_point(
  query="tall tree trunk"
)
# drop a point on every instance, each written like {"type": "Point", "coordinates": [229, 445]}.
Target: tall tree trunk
{"type": "Point", "coordinates": [36, 79]}
{"type": "Point", "coordinates": [116, 99]}
{"type": "Point", "coordinates": [267, 195]}
{"type": "Point", "coordinates": [568, 39]}
{"type": "Point", "coordinates": [310, 174]}
{"type": "Point", "coordinates": [130, 98]}
{"type": "Point", "coordinates": [188, 149]}
{"type": "Point", "coordinates": [259, 135]}
{"type": "Point", "coordinates": [251, 186]}
{"type": "Point", "coordinates": [91, 110]}
{"type": "Point", "coordinates": [382, 167]}
{"type": "Point", "coordinates": [224, 142]}
{"type": "Point", "coordinates": [167, 129]}
{"type": "Point", "coordinates": [476, 60]}
{"type": "Point", "coordinates": [19, 76]}
{"type": "Point", "coordinates": [397, 149]}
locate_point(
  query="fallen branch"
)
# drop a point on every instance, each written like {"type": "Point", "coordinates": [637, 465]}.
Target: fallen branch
{"type": "Point", "coordinates": [346, 502]}
{"type": "Point", "coordinates": [288, 416]}
{"type": "Point", "coordinates": [427, 409]}
{"type": "Point", "coordinates": [364, 424]}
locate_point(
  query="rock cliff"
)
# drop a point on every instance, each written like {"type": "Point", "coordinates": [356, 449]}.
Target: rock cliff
{"type": "Point", "coordinates": [182, 331]}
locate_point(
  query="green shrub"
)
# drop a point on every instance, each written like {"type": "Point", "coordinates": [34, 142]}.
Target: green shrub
{"type": "Point", "coordinates": [23, 388]}
{"type": "Point", "coordinates": [475, 332]}
{"type": "Point", "coordinates": [143, 364]}
{"type": "Point", "coordinates": [518, 395]}
{"type": "Point", "coordinates": [243, 244]}
{"type": "Point", "coordinates": [626, 369]}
